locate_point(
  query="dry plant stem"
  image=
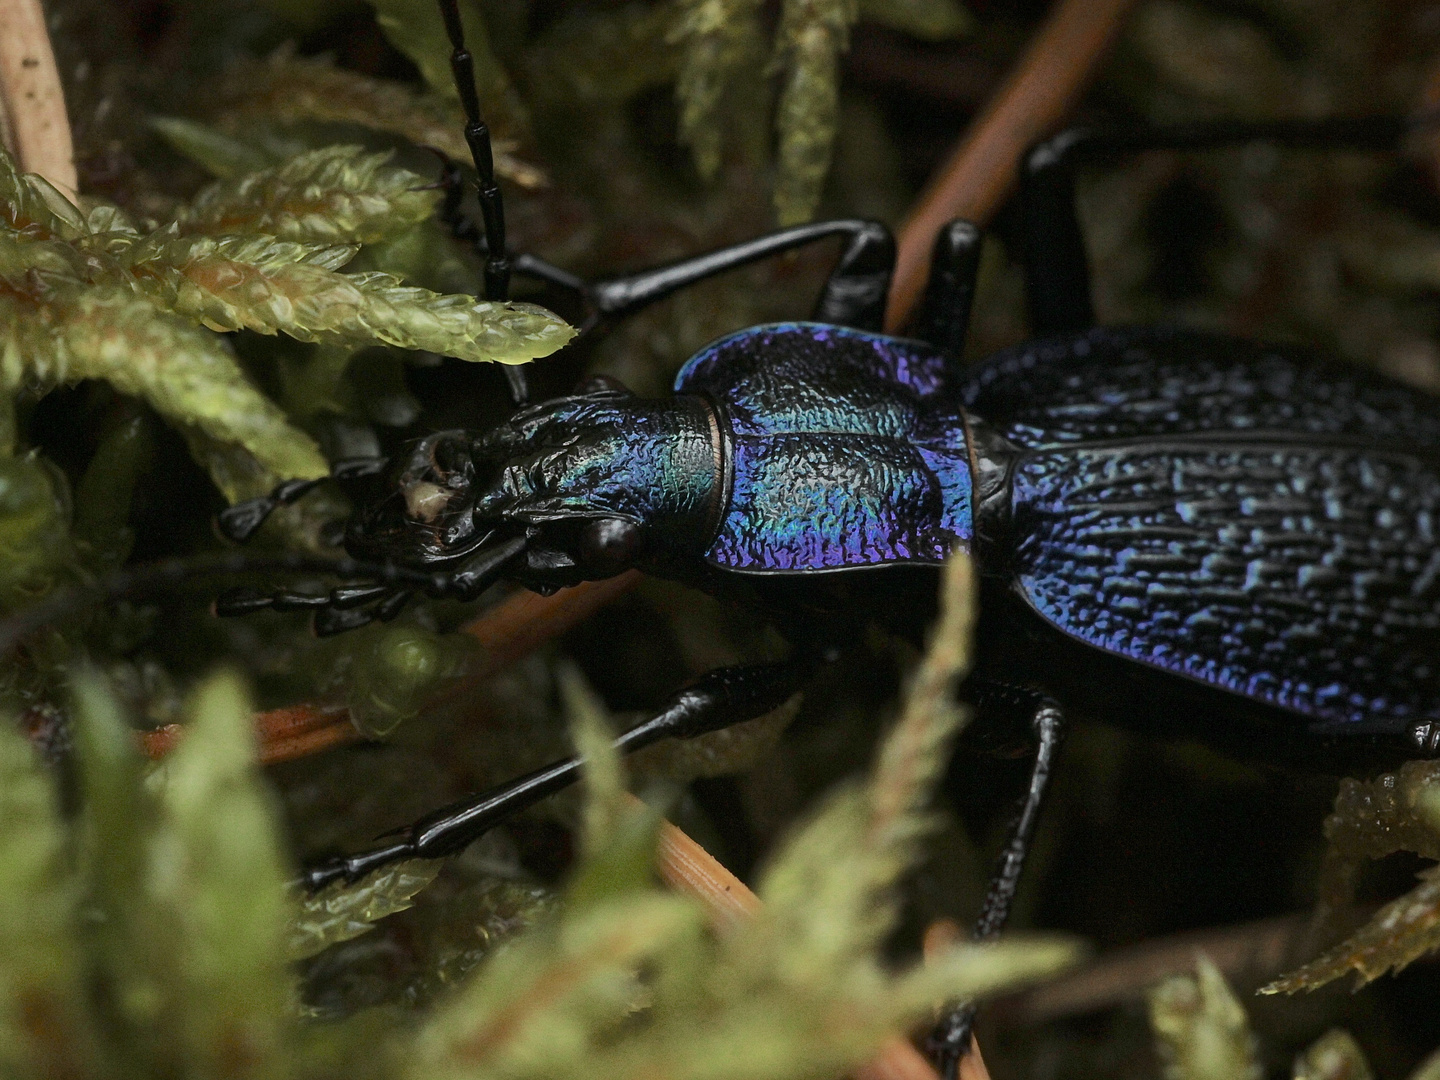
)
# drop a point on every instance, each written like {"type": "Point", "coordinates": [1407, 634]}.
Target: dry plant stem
{"type": "Point", "coordinates": [33, 123]}
{"type": "Point", "coordinates": [1430, 99]}
{"type": "Point", "coordinates": [690, 870]}
{"type": "Point", "coordinates": [526, 620]}
{"type": "Point", "coordinates": [978, 174]}
{"type": "Point", "coordinates": [517, 625]}
{"type": "Point", "coordinates": [1250, 952]}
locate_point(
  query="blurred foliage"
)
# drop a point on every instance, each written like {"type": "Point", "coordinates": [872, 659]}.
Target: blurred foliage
{"type": "Point", "coordinates": [92, 295]}
{"type": "Point", "coordinates": [253, 138]}
{"type": "Point", "coordinates": [1201, 1030]}
{"type": "Point", "coordinates": [147, 934]}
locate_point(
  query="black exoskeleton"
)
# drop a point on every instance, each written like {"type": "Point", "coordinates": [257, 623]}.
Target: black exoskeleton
{"type": "Point", "coordinates": [1241, 538]}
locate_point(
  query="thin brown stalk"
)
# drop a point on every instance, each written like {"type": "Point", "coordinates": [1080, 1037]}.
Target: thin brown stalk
{"type": "Point", "coordinates": [1247, 953]}
{"type": "Point", "coordinates": [516, 626]}
{"type": "Point", "coordinates": [33, 124]}
{"type": "Point", "coordinates": [690, 870]}
{"type": "Point", "coordinates": [975, 179]}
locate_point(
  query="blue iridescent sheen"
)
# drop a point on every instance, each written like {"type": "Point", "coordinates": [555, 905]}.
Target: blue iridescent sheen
{"type": "Point", "coordinates": [1250, 517]}
{"type": "Point", "coordinates": [651, 462]}
{"type": "Point", "coordinates": [844, 450]}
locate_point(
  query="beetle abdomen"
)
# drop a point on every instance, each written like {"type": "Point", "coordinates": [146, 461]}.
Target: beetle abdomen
{"type": "Point", "coordinates": [1304, 576]}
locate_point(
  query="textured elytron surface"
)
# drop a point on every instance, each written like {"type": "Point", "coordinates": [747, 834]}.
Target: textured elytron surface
{"type": "Point", "coordinates": [844, 452]}
{"type": "Point", "coordinates": [1301, 575]}
{"type": "Point", "coordinates": [1144, 381]}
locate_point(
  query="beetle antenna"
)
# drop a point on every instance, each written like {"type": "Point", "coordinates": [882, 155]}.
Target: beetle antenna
{"type": "Point", "coordinates": [487, 189]}
{"type": "Point", "coordinates": [149, 578]}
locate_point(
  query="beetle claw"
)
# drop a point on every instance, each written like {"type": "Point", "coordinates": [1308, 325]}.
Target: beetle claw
{"type": "Point", "coordinates": [240, 522]}
{"type": "Point", "coordinates": [242, 601]}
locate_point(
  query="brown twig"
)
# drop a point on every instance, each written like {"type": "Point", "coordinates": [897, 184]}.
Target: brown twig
{"type": "Point", "coordinates": [976, 177]}
{"type": "Point", "coordinates": [690, 870]}
{"type": "Point", "coordinates": [1250, 952]}
{"type": "Point", "coordinates": [33, 124]}
{"type": "Point", "coordinates": [516, 626]}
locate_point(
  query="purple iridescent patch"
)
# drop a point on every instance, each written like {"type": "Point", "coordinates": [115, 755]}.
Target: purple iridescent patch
{"type": "Point", "coordinates": [845, 450]}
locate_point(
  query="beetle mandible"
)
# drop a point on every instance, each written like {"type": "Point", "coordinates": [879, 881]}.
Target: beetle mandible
{"type": "Point", "coordinates": [1236, 542]}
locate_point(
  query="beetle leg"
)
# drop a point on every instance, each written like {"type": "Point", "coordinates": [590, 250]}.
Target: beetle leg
{"type": "Point", "coordinates": [856, 290]}
{"type": "Point", "coordinates": [240, 522]}
{"type": "Point", "coordinates": [1057, 274]}
{"type": "Point", "coordinates": [716, 700]}
{"type": "Point", "coordinates": [853, 296]}
{"type": "Point", "coordinates": [482, 570]}
{"type": "Point", "coordinates": [950, 1039]}
{"type": "Point", "coordinates": [944, 317]}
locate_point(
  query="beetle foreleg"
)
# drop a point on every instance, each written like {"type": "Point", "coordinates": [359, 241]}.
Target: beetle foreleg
{"type": "Point", "coordinates": [241, 521]}
{"type": "Point", "coordinates": [716, 700]}
{"type": "Point", "coordinates": [951, 1038]}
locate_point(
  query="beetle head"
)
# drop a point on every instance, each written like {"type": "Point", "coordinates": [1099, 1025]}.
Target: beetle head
{"type": "Point", "coordinates": [596, 482]}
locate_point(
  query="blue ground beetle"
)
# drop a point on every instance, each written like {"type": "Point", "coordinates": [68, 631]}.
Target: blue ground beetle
{"type": "Point", "coordinates": [1231, 541]}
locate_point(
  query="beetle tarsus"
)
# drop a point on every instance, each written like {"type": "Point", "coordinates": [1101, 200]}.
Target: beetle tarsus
{"type": "Point", "coordinates": [950, 1039]}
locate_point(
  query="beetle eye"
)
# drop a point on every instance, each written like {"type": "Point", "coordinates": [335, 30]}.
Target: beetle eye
{"type": "Point", "coordinates": [611, 543]}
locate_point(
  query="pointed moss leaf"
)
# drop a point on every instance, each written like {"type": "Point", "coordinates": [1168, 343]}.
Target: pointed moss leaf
{"type": "Point", "coordinates": [221, 154]}
{"type": "Point", "coordinates": [342, 911]}
{"type": "Point", "coordinates": [234, 470]}
{"type": "Point", "coordinates": [43, 1027]}
{"type": "Point", "coordinates": [216, 862]}
{"type": "Point", "coordinates": [930, 20]}
{"type": "Point", "coordinates": [293, 89]}
{"type": "Point", "coordinates": [186, 374]}
{"type": "Point", "coordinates": [1334, 1056]}
{"type": "Point", "coordinates": [334, 195]}
{"type": "Point", "coordinates": [742, 1021]}
{"type": "Point", "coordinates": [132, 938]}
{"type": "Point", "coordinates": [540, 1007]}
{"type": "Point", "coordinates": [969, 972]}
{"type": "Point", "coordinates": [1429, 1069]}
{"type": "Point", "coordinates": [233, 283]}
{"type": "Point", "coordinates": [1400, 932]}
{"type": "Point", "coordinates": [1201, 1030]}
{"type": "Point", "coordinates": [812, 36]}
{"type": "Point", "coordinates": [720, 40]}
{"type": "Point", "coordinates": [103, 496]}
{"type": "Point", "coordinates": [618, 836]}
{"type": "Point", "coordinates": [827, 895]}
{"type": "Point", "coordinates": [593, 734]}
{"type": "Point", "coordinates": [31, 268]}
{"type": "Point", "coordinates": [917, 750]}
{"type": "Point", "coordinates": [35, 546]}
{"type": "Point", "coordinates": [415, 28]}
{"type": "Point", "coordinates": [30, 205]}
{"type": "Point", "coordinates": [116, 811]}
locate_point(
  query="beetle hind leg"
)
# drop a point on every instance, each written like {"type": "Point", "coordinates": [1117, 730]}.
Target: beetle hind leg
{"type": "Point", "coordinates": [950, 1040]}
{"type": "Point", "coordinates": [1057, 272]}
